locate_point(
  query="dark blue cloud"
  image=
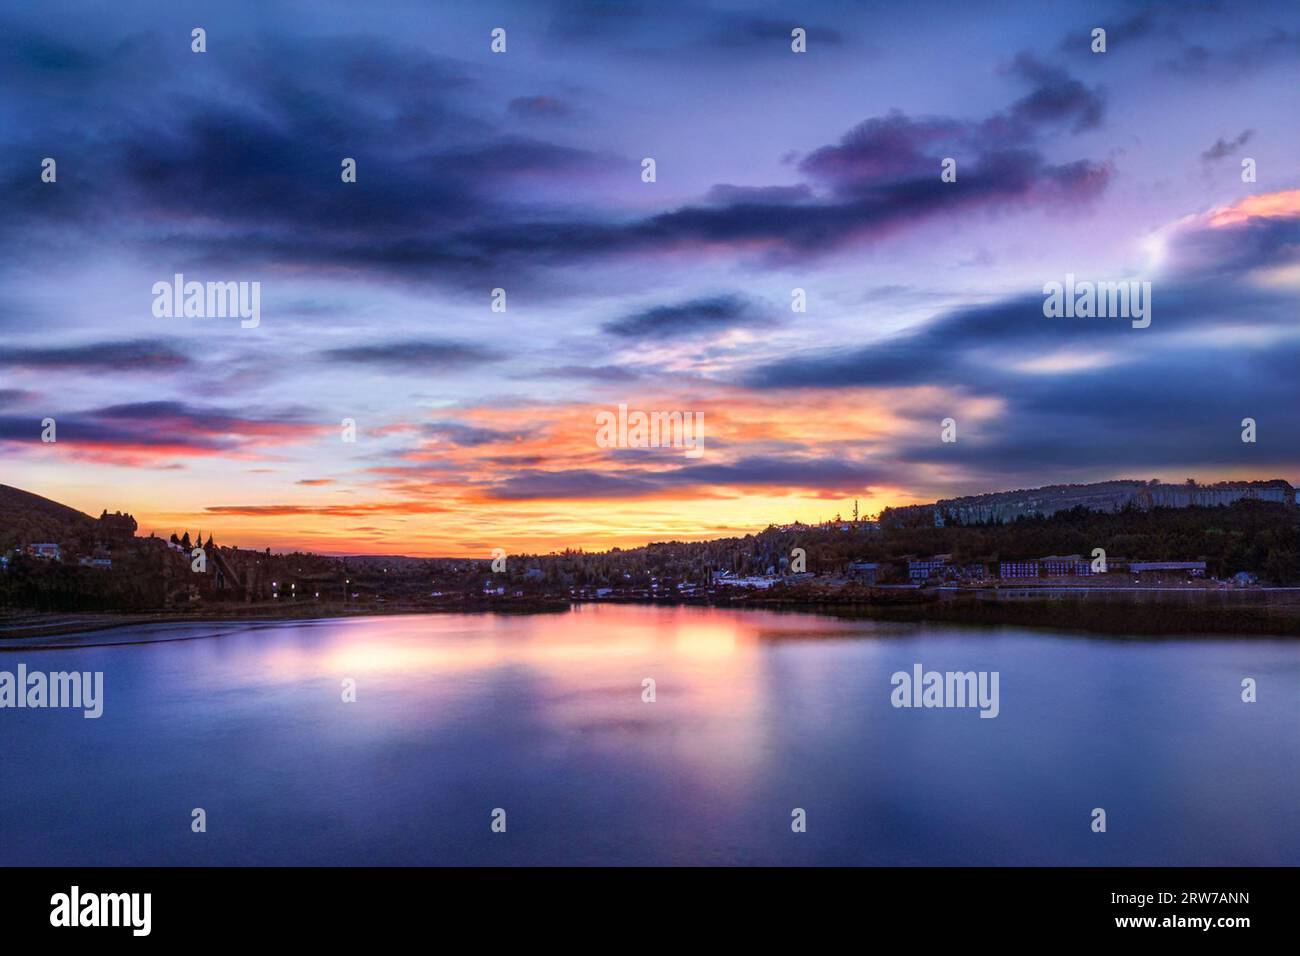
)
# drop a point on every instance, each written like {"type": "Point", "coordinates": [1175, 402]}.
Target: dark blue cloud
{"type": "Point", "coordinates": [236, 160]}
{"type": "Point", "coordinates": [599, 374]}
{"type": "Point", "coordinates": [1278, 47]}
{"type": "Point", "coordinates": [973, 346]}
{"type": "Point", "coordinates": [671, 471]}
{"type": "Point", "coordinates": [416, 355]}
{"type": "Point", "coordinates": [698, 315]}
{"type": "Point", "coordinates": [469, 436]}
{"type": "Point", "coordinates": [133, 356]}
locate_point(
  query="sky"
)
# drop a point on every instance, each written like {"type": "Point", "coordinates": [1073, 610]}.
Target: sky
{"type": "Point", "coordinates": [523, 171]}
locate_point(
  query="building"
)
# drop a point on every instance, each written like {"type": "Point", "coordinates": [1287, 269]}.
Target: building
{"type": "Point", "coordinates": [1071, 565]}
{"type": "Point", "coordinates": [47, 551]}
{"type": "Point", "coordinates": [116, 527]}
{"type": "Point", "coordinates": [1193, 569]}
{"type": "Point", "coordinates": [926, 568]}
{"type": "Point", "coordinates": [1018, 569]}
{"type": "Point", "coordinates": [864, 572]}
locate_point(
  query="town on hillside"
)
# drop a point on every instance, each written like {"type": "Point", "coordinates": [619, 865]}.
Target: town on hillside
{"type": "Point", "coordinates": [1115, 535]}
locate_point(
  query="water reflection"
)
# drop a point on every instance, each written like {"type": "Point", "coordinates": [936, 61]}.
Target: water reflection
{"type": "Point", "coordinates": [756, 713]}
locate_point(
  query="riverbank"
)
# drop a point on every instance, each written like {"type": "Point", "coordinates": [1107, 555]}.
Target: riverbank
{"type": "Point", "coordinates": [1155, 614]}
{"type": "Point", "coordinates": [1136, 619]}
{"type": "Point", "coordinates": [28, 625]}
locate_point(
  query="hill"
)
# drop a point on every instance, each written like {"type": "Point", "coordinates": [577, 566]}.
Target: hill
{"type": "Point", "coordinates": [26, 518]}
{"type": "Point", "coordinates": [1000, 507]}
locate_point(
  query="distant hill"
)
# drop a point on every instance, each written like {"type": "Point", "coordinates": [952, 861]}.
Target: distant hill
{"type": "Point", "coordinates": [1105, 496]}
{"type": "Point", "coordinates": [26, 518]}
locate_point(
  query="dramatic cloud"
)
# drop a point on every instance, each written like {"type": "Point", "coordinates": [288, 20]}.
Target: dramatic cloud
{"type": "Point", "coordinates": [448, 200]}
{"type": "Point", "coordinates": [786, 473]}
{"type": "Point", "coordinates": [1204, 288]}
{"type": "Point", "coordinates": [145, 433]}
{"type": "Point", "coordinates": [1078, 392]}
{"type": "Point", "coordinates": [775, 171]}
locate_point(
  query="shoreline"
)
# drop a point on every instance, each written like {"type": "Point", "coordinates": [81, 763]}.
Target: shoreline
{"type": "Point", "coordinates": [1056, 610]}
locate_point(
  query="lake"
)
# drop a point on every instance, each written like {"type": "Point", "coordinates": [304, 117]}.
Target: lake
{"type": "Point", "coordinates": [755, 714]}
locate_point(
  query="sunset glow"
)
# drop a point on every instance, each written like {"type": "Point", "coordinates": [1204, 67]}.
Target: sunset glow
{"type": "Point", "coordinates": [797, 272]}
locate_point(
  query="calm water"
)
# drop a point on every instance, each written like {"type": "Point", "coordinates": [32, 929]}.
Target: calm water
{"type": "Point", "coordinates": [756, 713]}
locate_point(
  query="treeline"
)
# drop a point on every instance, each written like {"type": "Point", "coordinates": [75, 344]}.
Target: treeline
{"type": "Point", "coordinates": [137, 582]}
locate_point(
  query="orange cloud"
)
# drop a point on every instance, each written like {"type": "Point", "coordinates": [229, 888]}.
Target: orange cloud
{"type": "Point", "coordinates": [1279, 205]}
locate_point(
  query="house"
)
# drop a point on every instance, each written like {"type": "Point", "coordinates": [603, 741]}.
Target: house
{"type": "Point", "coordinates": [46, 551]}
{"type": "Point", "coordinates": [1244, 579]}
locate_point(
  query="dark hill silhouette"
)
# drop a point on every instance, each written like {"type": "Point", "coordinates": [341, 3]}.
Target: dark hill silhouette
{"type": "Point", "coordinates": [26, 518]}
